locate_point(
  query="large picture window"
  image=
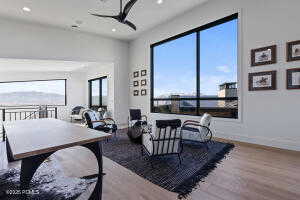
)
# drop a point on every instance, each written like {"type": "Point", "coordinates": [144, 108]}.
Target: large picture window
{"type": "Point", "coordinates": [32, 93]}
{"type": "Point", "coordinates": [196, 72]}
{"type": "Point", "coordinates": [98, 92]}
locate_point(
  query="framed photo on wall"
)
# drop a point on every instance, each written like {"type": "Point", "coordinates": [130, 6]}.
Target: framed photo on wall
{"type": "Point", "coordinates": [293, 51]}
{"type": "Point", "coordinates": [143, 92]}
{"type": "Point", "coordinates": [143, 82]}
{"type": "Point", "coordinates": [135, 83]}
{"type": "Point", "coordinates": [262, 81]}
{"type": "Point", "coordinates": [136, 74]}
{"type": "Point", "coordinates": [293, 78]}
{"type": "Point", "coordinates": [264, 56]}
{"type": "Point", "coordinates": [136, 93]}
{"type": "Point", "coordinates": [144, 72]}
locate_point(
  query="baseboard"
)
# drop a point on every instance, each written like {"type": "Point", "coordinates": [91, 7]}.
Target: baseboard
{"type": "Point", "coordinates": [261, 142]}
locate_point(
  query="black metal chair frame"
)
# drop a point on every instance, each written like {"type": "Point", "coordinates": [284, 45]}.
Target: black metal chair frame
{"type": "Point", "coordinates": [106, 122]}
{"type": "Point", "coordinates": [193, 123]}
{"type": "Point", "coordinates": [173, 139]}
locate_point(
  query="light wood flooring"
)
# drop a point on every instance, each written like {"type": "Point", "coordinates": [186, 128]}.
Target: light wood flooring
{"type": "Point", "coordinates": [248, 172]}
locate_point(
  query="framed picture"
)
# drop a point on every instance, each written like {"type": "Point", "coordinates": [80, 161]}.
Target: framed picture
{"type": "Point", "coordinates": [135, 83]}
{"type": "Point", "coordinates": [143, 92]}
{"type": "Point", "coordinates": [136, 74]}
{"type": "Point", "coordinates": [144, 72]}
{"type": "Point", "coordinates": [293, 78]}
{"type": "Point", "coordinates": [135, 93]}
{"type": "Point", "coordinates": [264, 56]}
{"type": "Point", "coordinates": [293, 51]}
{"type": "Point", "coordinates": [262, 81]}
{"type": "Point", "coordinates": [143, 82]}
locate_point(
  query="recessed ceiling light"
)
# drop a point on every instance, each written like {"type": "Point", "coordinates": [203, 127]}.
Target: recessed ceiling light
{"type": "Point", "coordinates": [113, 30]}
{"type": "Point", "coordinates": [26, 9]}
{"type": "Point", "coordinates": [160, 1]}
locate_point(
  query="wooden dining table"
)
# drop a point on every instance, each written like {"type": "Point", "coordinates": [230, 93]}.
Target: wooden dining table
{"type": "Point", "coordinates": [33, 141]}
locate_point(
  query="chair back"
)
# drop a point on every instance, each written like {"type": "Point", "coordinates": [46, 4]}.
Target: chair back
{"type": "Point", "coordinates": [167, 137]}
{"type": "Point", "coordinates": [76, 110]}
{"type": "Point", "coordinates": [90, 118]}
{"type": "Point", "coordinates": [135, 114]}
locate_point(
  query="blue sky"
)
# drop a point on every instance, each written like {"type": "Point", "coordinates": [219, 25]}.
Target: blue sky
{"type": "Point", "coordinates": [57, 87]}
{"type": "Point", "coordinates": [175, 61]}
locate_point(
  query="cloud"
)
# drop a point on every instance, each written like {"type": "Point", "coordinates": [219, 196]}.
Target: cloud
{"type": "Point", "coordinates": [209, 85]}
{"type": "Point", "coordinates": [224, 69]}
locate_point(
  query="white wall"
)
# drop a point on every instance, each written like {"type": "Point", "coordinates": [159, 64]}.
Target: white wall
{"type": "Point", "coordinates": [267, 117]}
{"type": "Point", "coordinates": [75, 87]}
{"type": "Point", "coordinates": [22, 40]}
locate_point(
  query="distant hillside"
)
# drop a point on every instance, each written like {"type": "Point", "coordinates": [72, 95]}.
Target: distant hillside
{"type": "Point", "coordinates": [31, 98]}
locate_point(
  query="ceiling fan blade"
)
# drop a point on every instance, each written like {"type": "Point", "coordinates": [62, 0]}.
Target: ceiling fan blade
{"type": "Point", "coordinates": [106, 16]}
{"type": "Point", "coordinates": [128, 7]}
{"type": "Point", "coordinates": [130, 24]}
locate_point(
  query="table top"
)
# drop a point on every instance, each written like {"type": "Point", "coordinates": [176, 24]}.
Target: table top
{"type": "Point", "coordinates": [38, 136]}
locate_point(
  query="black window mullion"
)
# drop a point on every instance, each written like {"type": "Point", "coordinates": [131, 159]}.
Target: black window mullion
{"type": "Point", "coordinates": [90, 94]}
{"type": "Point", "coordinates": [198, 72]}
{"type": "Point", "coordinates": [100, 92]}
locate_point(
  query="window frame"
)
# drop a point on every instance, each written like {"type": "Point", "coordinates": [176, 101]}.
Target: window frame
{"type": "Point", "coordinates": [65, 80]}
{"type": "Point", "coordinates": [100, 92]}
{"type": "Point", "coordinates": [197, 30]}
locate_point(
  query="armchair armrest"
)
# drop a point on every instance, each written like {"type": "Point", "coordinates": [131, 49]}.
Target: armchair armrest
{"type": "Point", "coordinates": [209, 132]}
{"type": "Point", "coordinates": [103, 121]}
{"type": "Point", "coordinates": [190, 121]}
{"type": "Point", "coordinates": [109, 119]}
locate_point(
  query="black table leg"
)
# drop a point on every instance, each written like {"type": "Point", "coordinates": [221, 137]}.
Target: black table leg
{"type": "Point", "coordinates": [96, 148]}
{"type": "Point", "coordinates": [31, 164]}
{"type": "Point", "coordinates": [28, 168]}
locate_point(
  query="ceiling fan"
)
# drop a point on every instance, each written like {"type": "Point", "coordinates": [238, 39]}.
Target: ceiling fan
{"type": "Point", "coordinates": [121, 17]}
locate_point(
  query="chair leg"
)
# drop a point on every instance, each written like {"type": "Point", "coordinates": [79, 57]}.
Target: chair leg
{"type": "Point", "coordinates": [179, 159]}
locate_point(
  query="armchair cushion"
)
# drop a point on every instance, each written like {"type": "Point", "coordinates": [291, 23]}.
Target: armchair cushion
{"type": "Point", "coordinates": [93, 119]}
{"type": "Point", "coordinates": [107, 128]}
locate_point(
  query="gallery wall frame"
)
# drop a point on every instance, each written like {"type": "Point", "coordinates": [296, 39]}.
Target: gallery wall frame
{"type": "Point", "coordinates": [143, 92]}
{"type": "Point", "coordinates": [135, 83]}
{"type": "Point", "coordinates": [144, 82]}
{"type": "Point", "coordinates": [136, 74]}
{"type": "Point", "coordinates": [266, 80]}
{"type": "Point", "coordinates": [293, 51]}
{"type": "Point", "coordinates": [136, 93]}
{"type": "Point", "coordinates": [293, 78]}
{"type": "Point", "coordinates": [144, 72]}
{"type": "Point", "coordinates": [264, 56]}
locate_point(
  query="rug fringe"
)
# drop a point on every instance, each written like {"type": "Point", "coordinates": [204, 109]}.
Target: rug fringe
{"type": "Point", "coordinates": [190, 184]}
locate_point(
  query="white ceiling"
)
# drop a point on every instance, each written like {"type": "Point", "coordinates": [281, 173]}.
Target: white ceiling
{"type": "Point", "coordinates": [21, 65]}
{"type": "Point", "coordinates": [63, 13]}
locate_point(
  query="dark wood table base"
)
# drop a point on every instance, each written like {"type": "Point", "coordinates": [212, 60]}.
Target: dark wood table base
{"type": "Point", "coordinates": [31, 164]}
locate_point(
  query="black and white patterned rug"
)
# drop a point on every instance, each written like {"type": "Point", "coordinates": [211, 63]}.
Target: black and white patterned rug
{"type": "Point", "coordinates": [197, 162]}
{"type": "Point", "coordinates": [48, 183]}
